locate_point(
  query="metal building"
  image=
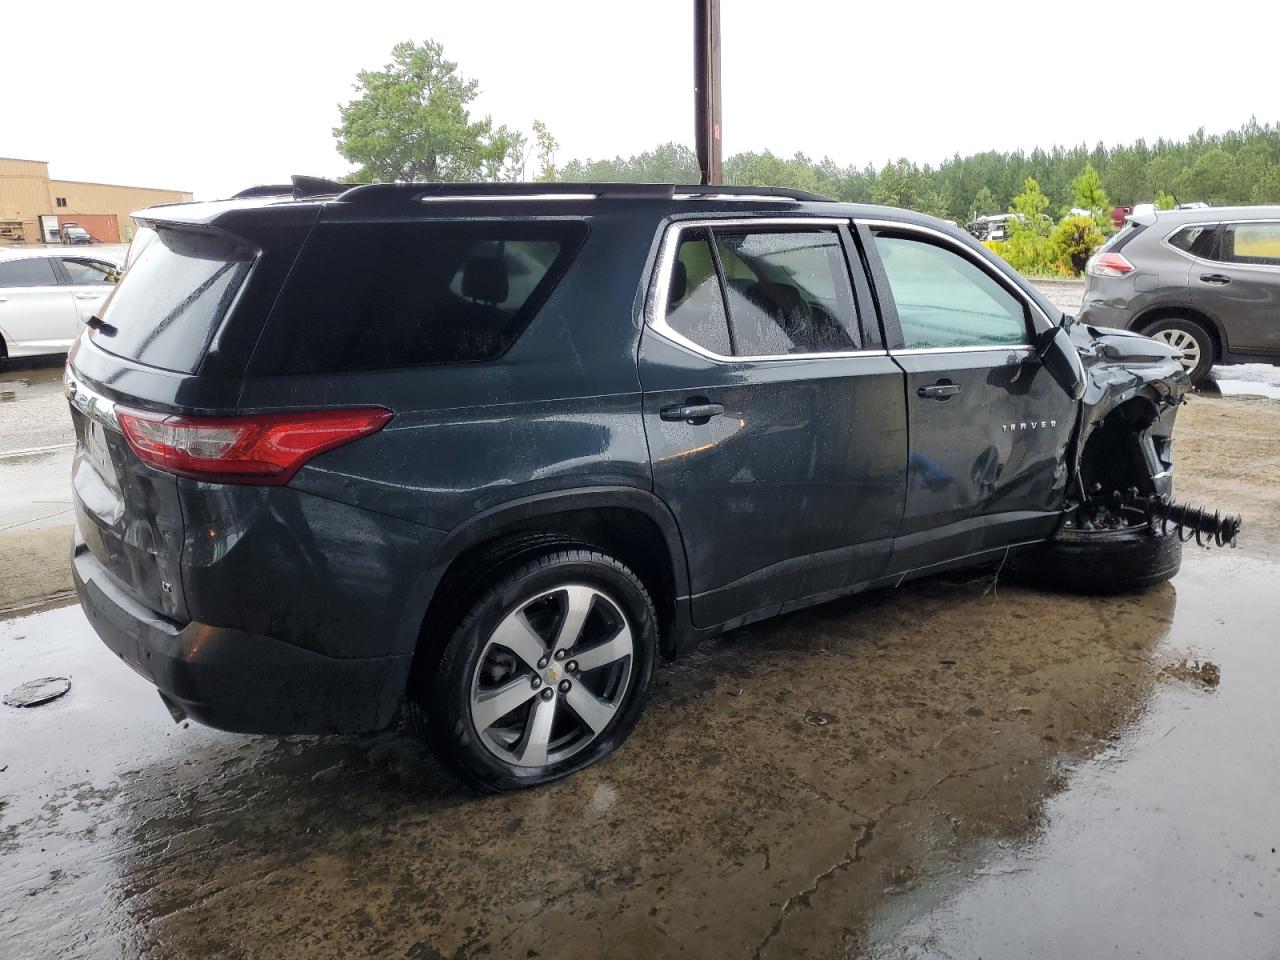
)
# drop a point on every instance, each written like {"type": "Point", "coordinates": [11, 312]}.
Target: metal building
{"type": "Point", "coordinates": [33, 208]}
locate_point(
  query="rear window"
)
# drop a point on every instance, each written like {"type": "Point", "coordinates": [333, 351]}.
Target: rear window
{"type": "Point", "coordinates": [172, 299]}
{"type": "Point", "coordinates": [370, 296]}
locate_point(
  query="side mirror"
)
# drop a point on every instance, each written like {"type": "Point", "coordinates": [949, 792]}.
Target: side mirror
{"type": "Point", "coordinates": [1058, 355]}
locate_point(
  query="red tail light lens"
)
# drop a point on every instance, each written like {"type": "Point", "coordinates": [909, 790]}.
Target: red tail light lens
{"type": "Point", "coordinates": [265, 449]}
{"type": "Point", "coordinates": [1110, 265]}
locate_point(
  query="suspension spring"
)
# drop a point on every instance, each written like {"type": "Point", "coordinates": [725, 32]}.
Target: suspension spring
{"type": "Point", "coordinates": [1188, 522]}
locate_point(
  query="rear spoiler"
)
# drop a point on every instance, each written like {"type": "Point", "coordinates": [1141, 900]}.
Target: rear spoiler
{"type": "Point", "coordinates": [299, 188]}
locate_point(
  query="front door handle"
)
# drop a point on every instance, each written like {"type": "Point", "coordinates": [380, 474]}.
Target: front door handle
{"type": "Point", "coordinates": [939, 391]}
{"type": "Point", "coordinates": [697, 411]}
{"type": "Point", "coordinates": [1218, 278]}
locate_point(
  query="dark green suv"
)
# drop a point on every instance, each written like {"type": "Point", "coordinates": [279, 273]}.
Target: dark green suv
{"type": "Point", "coordinates": [485, 453]}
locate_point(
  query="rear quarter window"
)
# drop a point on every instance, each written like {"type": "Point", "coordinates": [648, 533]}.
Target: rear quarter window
{"type": "Point", "coordinates": [371, 296]}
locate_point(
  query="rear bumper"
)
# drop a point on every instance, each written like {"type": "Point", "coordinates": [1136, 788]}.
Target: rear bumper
{"type": "Point", "coordinates": [238, 681]}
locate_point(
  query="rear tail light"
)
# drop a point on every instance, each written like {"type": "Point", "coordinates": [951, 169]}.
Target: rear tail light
{"type": "Point", "coordinates": [1110, 265]}
{"type": "Point", "coordinates": [266, 449]}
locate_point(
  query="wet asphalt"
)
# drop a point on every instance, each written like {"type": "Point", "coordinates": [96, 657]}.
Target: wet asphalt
{"type": "Point", "coordinates": [961, 768]}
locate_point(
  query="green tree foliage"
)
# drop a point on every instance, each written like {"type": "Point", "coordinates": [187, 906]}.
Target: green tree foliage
{"type": "Point", "coordinates": [546, 145]}
{"type": "Point", "coordinates": [409, 121]}
{"type": "Point", "coordinates": [985, 203]}
{"type": "Point", "coordinates": [669, 163]}
{"type": "Point", "coordinates": [1165, 201]}
{"type": "Point", "coordinates": [1073, 241]}
{"type": "Point", "coordinates": [1087, 194]}
{"type": "Point", "coordinates": [1239, 166]}
{"type": "Point", "coordinates": [1029, 248]}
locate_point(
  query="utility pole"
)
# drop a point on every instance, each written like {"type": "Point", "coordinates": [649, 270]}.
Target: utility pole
{"type": "Point", "coordinates": [706, 90]}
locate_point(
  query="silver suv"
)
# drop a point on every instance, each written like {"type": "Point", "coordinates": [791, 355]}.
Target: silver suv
{"type": "Point", "coordinates": [1205, 281]}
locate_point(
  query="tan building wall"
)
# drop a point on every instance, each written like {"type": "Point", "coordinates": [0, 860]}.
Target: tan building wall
{"type": "Point", "coordinates": [26, 192]}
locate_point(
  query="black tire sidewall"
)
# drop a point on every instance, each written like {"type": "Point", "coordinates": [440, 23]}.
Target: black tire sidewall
{"type": "Point", "coordinates": [1203, 338]}
{"type": "Point", "coordinates": [1100, 562]}
{"type": "Point", "coordinates": [448, 710]}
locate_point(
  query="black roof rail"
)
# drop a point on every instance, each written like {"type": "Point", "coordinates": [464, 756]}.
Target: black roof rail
{"type": "Point", "coordinates": [369, 192]}
{"type": "Point", "coordinates": [300, 188]}
{"type": "Point", "coordinates": [782, 193]}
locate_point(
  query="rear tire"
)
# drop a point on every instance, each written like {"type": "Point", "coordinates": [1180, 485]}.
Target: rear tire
{"type": "Point", "coordinates": [575, 599]}
{"type": "Point", "coordinates": [1192, 340]}
{"type": "Point", "coordinates": [1100, 562]}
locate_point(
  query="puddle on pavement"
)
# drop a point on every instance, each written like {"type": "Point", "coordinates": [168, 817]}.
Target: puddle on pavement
{"type": "Point", "coordinates": [1246, 380]}
{"type": "Point", "coordinates": [983, 757]}
{"type": "Point", "coordinates": [33, 381]}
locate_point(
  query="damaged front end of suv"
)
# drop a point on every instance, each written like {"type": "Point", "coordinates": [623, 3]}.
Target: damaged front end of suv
{"type": "Point", "coordinates": [1121, 528]}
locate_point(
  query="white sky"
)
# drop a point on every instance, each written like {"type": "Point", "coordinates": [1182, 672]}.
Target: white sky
{"type": "Point", "coordinates": [215, 96]}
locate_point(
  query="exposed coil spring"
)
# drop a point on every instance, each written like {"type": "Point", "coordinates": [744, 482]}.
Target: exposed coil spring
{"type": "Point", "coordinates": [1191, 523]}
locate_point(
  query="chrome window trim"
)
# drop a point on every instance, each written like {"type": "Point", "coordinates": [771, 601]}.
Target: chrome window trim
{"type": "Point", "coordinates": [656, 307]}
{"type": "Point", "coordinates": [987, 348]}
{"type": "Point", "coordinates": [89, 401]}
{"type": "Point", "coordinates": [958, 247]}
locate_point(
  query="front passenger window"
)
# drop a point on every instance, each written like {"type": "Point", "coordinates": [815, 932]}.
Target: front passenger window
{"type": "Point", "coordinates": [946, 300]}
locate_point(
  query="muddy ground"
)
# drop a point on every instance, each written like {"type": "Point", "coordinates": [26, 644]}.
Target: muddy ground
{"type": "Point", "coordinates": [962, 768]}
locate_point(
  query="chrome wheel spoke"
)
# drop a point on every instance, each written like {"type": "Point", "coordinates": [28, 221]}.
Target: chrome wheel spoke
{"type": "Point", "coordinates": [532, 749]}
{"type": "Point", "coordinates": [570, 648]}
{"type": "Point", "coordinates": [605, 653]}
{"type": "Point", "coordinates": [516, 635]}
{"type": "Point", "coordinates": [591, 710]}
{"type": "Point", "coordinates": [577, 605]}
{"type": "Point", "coordinates": [490, 706]}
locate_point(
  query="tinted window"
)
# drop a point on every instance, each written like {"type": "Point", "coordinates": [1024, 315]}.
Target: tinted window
{"type": "Point", "coordinates": [946, 300]}
{"type": "Point", "coordinates": [369, 296]}
{"type": "Point", "coordinates": [788, 292]}
{"type": "Point", "coordinates": [89, 271]}
{"type": "Point", "coordinates": [27, 272]}
{"type": "Point", "coordinates": [169, 305]}
{"type": "Point", "coordinates": [695, 307]}
{"type": "Point", "coordinates": [1252, 243]}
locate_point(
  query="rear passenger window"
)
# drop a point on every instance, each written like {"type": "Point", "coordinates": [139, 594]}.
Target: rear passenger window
{"type": "Point", "coordinates": [762, 293]}
{"type": "Point", "coordinates": [788, 292]}
{"type": "Point", "coordinates": [1252, 243]}
{"type": "Point", "coordinates": [947, 300]}
{"type": "Point", "coordinates": [370, 296]}
{"type": "Point", "coordinates": [27, 272]}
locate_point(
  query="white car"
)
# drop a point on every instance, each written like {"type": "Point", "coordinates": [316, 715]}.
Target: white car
{"type": "Point", "coordinates": [46, 296]}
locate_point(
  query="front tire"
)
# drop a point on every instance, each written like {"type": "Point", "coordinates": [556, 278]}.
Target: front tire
{"type": "Point", "coordinates": [1192, 341]}
{"type": "Point", "coordinates": [1100, 562]}
{"type": "Point", "coordinates": [545, 674]}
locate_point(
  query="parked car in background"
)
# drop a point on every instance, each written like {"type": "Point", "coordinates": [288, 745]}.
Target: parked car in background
{"type": "Point", "coordinates": [45, 297]}
{"type": "Point", "coordinates": [508, 444]}
{"type": "Point", "coordinates": [73, 233]}
{"type": "Point", "coordinates": [1204, 280]}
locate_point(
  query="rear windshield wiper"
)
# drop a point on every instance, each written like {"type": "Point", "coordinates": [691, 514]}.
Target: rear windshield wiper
{"type": "Point", "coordinates": [97, 323]}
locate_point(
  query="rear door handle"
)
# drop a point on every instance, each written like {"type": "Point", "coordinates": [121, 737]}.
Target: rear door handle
{"type": "Point", "coordinates": [698, 412]}
{"type": "Point", "coordinates": [1218, 278]}
{"type": "Point", "coordinates": [88, 296]}
{"type": "Point", "coordinates": [939, 391]}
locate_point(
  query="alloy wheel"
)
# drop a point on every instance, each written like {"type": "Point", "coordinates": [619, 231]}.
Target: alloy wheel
{"type": "Point", "coordinates": [552, 675]}
{"type": "Point", "coordinates": [1188, 347]}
